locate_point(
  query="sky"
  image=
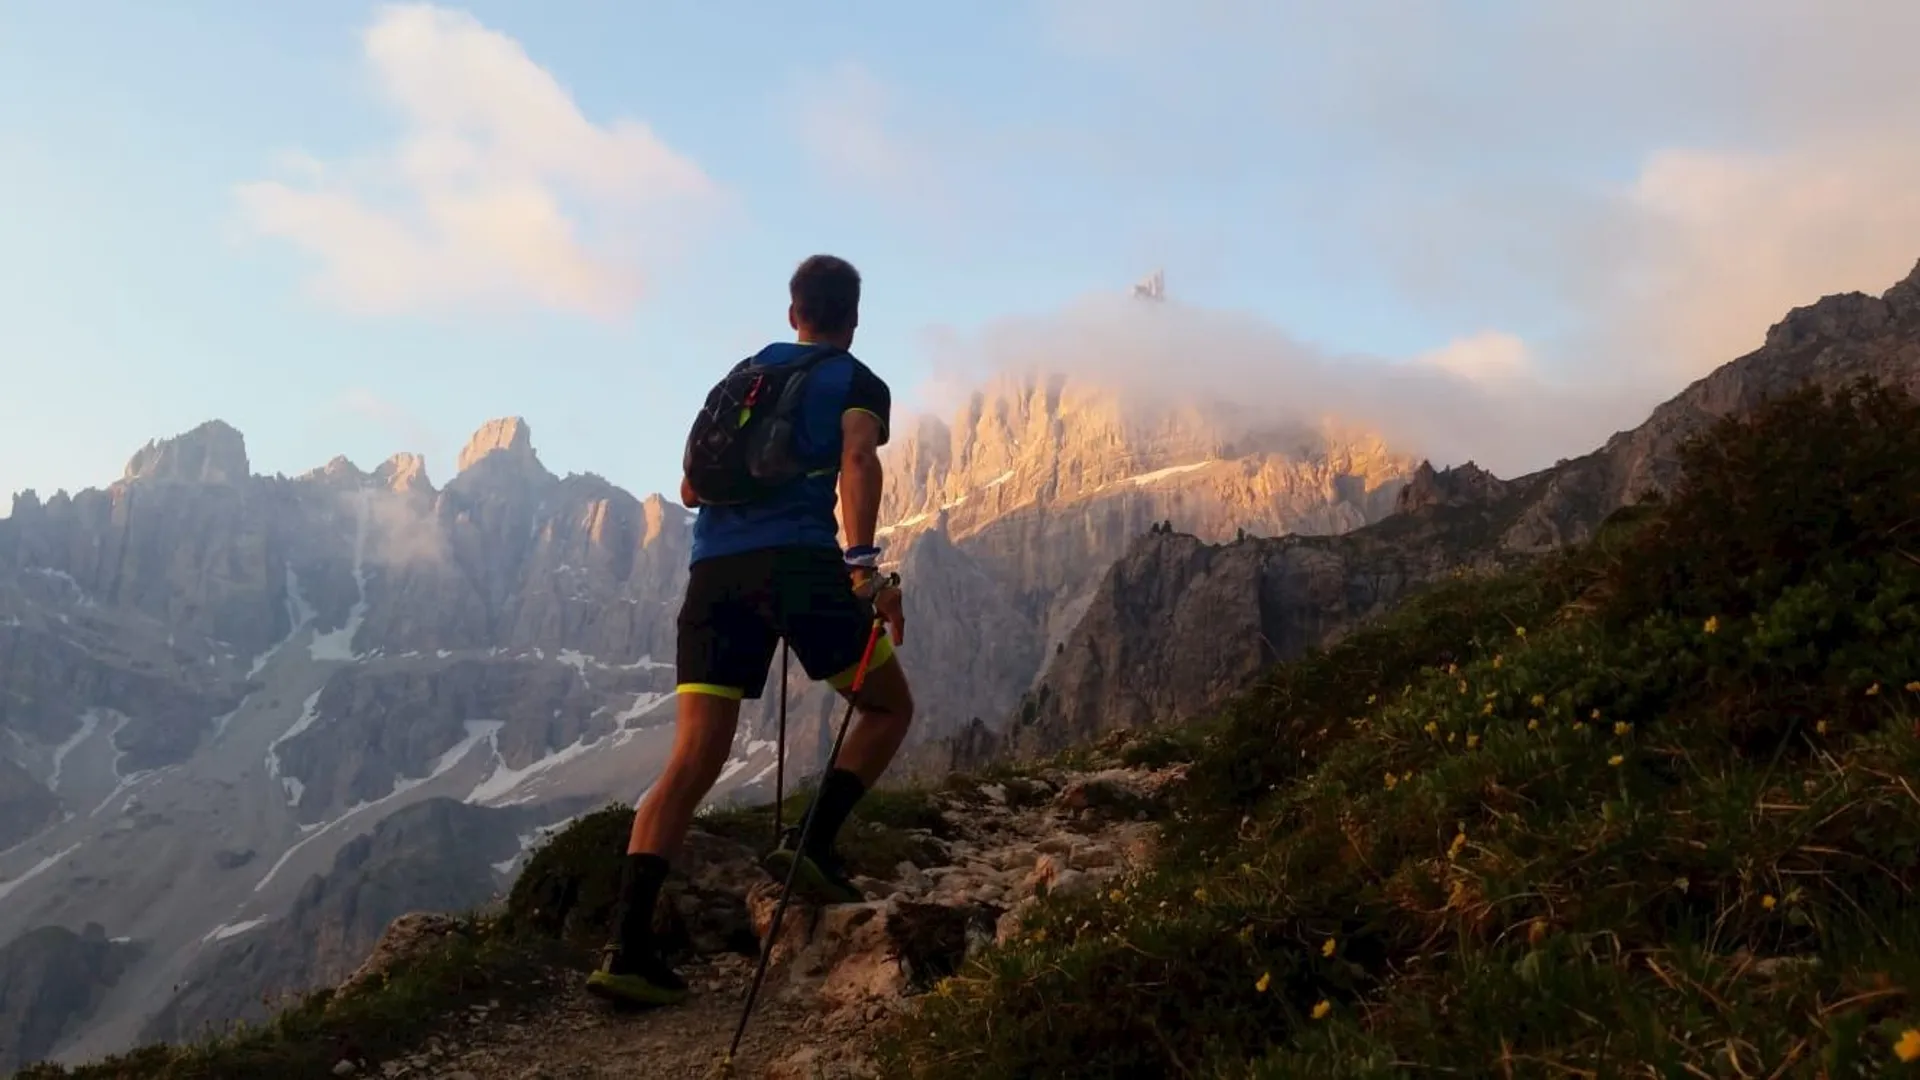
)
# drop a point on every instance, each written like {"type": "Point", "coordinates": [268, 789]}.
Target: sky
{"type": "Point", "coordinates": [1495, 229]}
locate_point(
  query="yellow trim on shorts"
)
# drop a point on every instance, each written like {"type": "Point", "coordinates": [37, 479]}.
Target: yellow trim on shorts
{"type": "Point", "coordinates": [732, 693]}
{"type": "Point", "coordinates": [882, 652]}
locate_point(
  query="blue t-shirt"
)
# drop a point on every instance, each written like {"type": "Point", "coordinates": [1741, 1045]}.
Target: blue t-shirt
{"type": "Point", "coordinates": [800, 514]}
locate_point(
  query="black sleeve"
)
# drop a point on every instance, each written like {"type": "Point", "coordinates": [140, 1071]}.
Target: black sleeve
{"type": "Point", "coordinates": [869, 393]}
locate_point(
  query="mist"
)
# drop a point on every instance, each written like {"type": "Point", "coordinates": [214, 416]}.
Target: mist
{"type": "Point", "coordinates": [1477, 399]}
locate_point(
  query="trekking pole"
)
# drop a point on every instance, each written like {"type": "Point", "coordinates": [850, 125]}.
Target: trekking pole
{"type": "Point", "coordinates": [780, 748]}
{"type": "Point", "coordinates": [806, 829]}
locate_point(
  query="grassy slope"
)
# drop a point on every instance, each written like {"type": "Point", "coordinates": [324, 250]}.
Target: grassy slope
{"type": "Point", "coordinates": [1644, 809]}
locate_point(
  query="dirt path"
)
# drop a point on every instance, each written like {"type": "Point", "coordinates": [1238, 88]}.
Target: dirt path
{"type": "Point", "coordinates": [836, 970]}
{"type": "Point", "coordinates": [577, 1037]}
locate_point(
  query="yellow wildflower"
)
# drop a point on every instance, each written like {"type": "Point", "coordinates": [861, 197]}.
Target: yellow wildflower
{"type": "Point", "coordinates": [1873, 690]}
{"type": "Point", "coordinates": [1820, 727]}
{"type": "Point", "coordinates": [1473, 741]}
{"type": "Point", "coordinates": [1914, 687]}
{"type": "Point", "coordinates": [1498, 661]}
{"type": "Point", "coordinates": [1621, 727]}
{"type": "Point", "coordinates": [1463, 686]}
{"type": "Point", "coordinates": [1116, 896]}
{"type": "Point", "coordinates": [1519, 631]}
{"type": "Point", "coordinates": [1596, 715]}
{"type": "Point", "coordinates": [1459, 842]}
{"type": "Point", "coordinates": [1538, 701]}
{"type": "Point", "coordinates": [1453, 669]}
{"type": "Point", "coordinates": [1487, 709]}
{"type": "Point", "coordinates": [1615, 760]}
{"type": "Point", "coordinates": [1452, 735]}
{"type": "Point", "coordinates": [1326, 949]}
{"type": "Point", "coordinates": [1534, 724]}
{"type": "Point", "coordinates": [1908, 1046]}
{"type": "Point", "coordinates": [1712, 625]}
{"type": "Point", "coordinates": [1371, 697]}
{"type": "Point", "coordinates": [1768, 901]}
{"type": "Point", "coordinates": [1432, 728]}
{"type": "Point", "coordinates": [1391, 780]}
{"type": "Point", "coordinates": [1200, 894]}
{"type": "Point", "coordinates": [1266, 980]}
{"type": "Point", "coordinates": [1321, 1010]}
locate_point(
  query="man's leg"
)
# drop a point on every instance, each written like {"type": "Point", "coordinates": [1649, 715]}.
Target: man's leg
{"type": "Point", "coordinates": [726, 643]}
{"type": "Point", "coordinates": [703, 735]}
{"type": "Point", "coordinates": [829, 629]}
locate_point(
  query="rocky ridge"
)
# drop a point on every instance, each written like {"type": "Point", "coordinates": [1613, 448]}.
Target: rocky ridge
{"type": "Point", "coordinates": [208, 668]}
{"type": "Point", "coordinates": [1003, 520]}
{"type": "Point", "coordinates": [1178, 623]}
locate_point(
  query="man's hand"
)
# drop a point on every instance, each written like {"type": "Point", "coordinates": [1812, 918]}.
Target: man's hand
{"type": "Point", "coordinates": [687, 498]}
{"type": "Point", "coordinates": [887, 602]}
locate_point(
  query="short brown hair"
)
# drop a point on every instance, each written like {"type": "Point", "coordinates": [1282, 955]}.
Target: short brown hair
{"type": "Point", "coordinates": [826, 294]}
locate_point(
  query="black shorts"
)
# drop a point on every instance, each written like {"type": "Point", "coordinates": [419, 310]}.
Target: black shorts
{"type": "Point", "coordinates": [738, 607]}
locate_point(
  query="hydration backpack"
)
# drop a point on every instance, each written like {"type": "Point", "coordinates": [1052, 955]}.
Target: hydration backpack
{"type": "Point", "coordinates": [741, 445]}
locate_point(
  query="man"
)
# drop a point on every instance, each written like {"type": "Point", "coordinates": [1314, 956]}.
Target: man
{"type": "Point", "coordinates": [762, 571]}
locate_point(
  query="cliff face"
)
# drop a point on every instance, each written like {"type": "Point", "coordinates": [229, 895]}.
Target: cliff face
{"type": "Point", "coordinates": [1178, 624]}
{"type": "Point", "coordinates": [200, 667]}
{"type": "Point", "coordinates": [51, 979]}
{"type": "Point", "coordinates": [1002, 522]}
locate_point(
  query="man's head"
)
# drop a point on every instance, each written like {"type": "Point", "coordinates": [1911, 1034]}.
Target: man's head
{"type": "Point", "coordinates": [826, 300]}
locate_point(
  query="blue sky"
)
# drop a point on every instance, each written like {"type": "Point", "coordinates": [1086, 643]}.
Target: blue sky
{"type": "Point", "coordinates": [353, 228]}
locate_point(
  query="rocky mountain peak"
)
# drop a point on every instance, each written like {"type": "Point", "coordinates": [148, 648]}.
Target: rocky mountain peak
{"type": "Point", "coordinates": [1453, 486]}
{"type": "Point", "coordinates": [212, 453]}
{"type": "Point", "coordinates": [1851, 316]}
{"type": "Point", "coordinates": [508, 435]}
{"type": "Point", "coordinates": [338, 473]}
{"type": "Point", "coordinates": [404, 473]}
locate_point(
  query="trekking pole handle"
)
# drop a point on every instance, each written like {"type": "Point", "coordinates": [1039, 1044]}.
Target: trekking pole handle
{"type": "Point", "coordinates": [873, 586]}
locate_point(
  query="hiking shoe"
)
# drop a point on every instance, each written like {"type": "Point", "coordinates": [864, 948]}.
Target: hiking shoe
{"type": "Point", "coordinates": [821, 877]}
{"type": "Point", "coordinates": [640, 978]}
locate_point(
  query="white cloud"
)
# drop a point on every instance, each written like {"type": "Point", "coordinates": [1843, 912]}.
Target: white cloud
{"type": "Point", "coordinates": [490, 193]}
{"type": "Point", "coordinates": [1636, 188]}
{"type": "Point", "coordinates": [1476, 398]}
{"type": "Point", "coordinates": [1487, 357]}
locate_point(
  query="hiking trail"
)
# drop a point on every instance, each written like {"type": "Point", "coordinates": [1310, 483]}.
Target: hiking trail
{"type": "Point", "coordinates": [990, 851]}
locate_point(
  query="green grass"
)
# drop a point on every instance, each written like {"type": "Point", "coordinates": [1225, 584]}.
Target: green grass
{"type": "Point", "coordinates": [1647, 808]}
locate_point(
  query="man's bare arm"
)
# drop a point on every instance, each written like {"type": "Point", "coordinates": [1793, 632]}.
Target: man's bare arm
{"type": "Point", "coordinates": [860, 478]}
{"type": "Point", "coordinates": [687, 497]}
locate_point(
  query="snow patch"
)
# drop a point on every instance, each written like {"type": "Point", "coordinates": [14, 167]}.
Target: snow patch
{"type": "Point", "coordinates": [34, 871]}
{"type": "Point", "coordinates": [477, 730]}
{"type": "Point", "coordinates": [1158, 475]}
{"type": "Point", "coordinates": [299, 616]}
{"type": "Point", "coordinates": [308, 714]}
{"type": "Point", "coordinates": [227, 930]}
{"type": "Point", "coordinates": [337, 645]}
{"type": "Point", "coordinates": [89, 721]}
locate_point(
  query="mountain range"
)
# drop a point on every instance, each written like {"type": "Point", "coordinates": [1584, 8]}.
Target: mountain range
{"type": "Point", "coordinates": [247, 720]}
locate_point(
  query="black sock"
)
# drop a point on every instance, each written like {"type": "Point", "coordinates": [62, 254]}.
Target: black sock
{"type": "Point", "coordinates": [838, 792]}
{"type": "Point", "coordinates": [640, 879]}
